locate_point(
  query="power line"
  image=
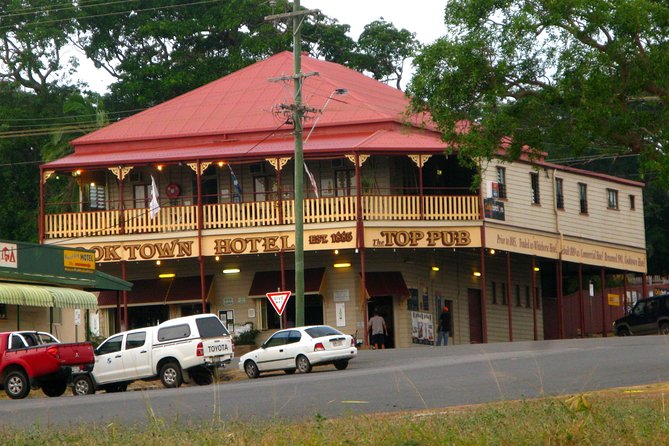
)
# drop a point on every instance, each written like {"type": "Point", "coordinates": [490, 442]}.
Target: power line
{"type": "Point", "coordinates": [111, 14]}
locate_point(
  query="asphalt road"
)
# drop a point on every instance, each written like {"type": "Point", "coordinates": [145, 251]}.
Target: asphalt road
{"type": "Point", "coordinates": [377, 381]}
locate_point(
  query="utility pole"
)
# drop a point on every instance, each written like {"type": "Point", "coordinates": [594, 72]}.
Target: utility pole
{"type": "Point", "coordinates": [298, 110]}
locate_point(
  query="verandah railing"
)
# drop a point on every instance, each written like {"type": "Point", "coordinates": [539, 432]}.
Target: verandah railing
{"type": "Point", "coordinates": [261, 213]}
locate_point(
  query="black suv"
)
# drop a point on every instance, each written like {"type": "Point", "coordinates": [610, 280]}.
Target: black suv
{"type": "Point", "coordinates": [648, 316]}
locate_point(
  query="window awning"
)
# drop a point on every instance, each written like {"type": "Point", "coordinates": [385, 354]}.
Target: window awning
{"type": "Point", "coordinates": [44, 296]}
{"type": "Point", "coordinates": [176, 290]}
{"type": "Point", "coordinates": [268, 281]}
{"type": "Point", "coordinates": [71, 298]}
{"type": "Point", "coordinates": [390, 283]}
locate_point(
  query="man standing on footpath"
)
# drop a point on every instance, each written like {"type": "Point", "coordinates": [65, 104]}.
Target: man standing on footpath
{"type": "Point", "coordinates": [444, 326]}
{"type": "Point", "coordinates": [379, 331]}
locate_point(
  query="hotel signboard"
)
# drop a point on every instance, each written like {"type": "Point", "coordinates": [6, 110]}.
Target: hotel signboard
{"type": "Point", "coordinates": [550, 246]}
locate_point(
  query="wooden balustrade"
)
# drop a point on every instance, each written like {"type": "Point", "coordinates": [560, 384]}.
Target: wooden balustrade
{"type": "Point", "coordinates": [173, 218]}
{"type": "Point", "coordinates": [261, 213]}
{"type": "Point", "coordinates": [81, 224]}
{"type": "Point", "coordinates": [241, 215]}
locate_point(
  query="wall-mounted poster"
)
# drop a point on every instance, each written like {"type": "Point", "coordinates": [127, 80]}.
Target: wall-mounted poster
{"type": "Point", "coordinates": [422, 328]}
{"type": "Point", "coordinates": [340, 310]}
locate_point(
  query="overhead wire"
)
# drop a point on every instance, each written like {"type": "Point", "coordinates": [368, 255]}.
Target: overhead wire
{"type": "Point", "coordinates": [111, 14]}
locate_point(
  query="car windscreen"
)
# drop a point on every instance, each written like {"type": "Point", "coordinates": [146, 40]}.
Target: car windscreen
{"type": "Point", "coordinates": [210, 327]}
{"type": "Point", "coordinates": [317, 332]}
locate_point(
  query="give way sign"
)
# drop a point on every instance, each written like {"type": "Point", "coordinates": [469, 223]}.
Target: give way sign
{"type": "Point", "coordinates": [279, 299]}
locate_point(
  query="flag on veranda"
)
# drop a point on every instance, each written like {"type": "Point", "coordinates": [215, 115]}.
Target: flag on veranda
{"type": "Point", "coordinates": [154, 206]}
{"type": "Point", "coordinates": [311, 180]}
{"type": "Point", "coordinates": [235, 182]}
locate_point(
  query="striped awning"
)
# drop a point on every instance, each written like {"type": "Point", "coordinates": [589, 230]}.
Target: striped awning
{"type": "Point", "coordinates": [71, 298]}
{"type": "Point", "coordinates": [20, 294]}
{"type": "Point", "coordinates": [45, 296]}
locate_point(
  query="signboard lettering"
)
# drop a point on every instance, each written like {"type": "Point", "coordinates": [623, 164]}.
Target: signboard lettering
{"type": "Point", "coordinates": [8, 255]}
{"type": "Point", "coordinates": [83, 262]}
{"type": "Point", "coordinates": [432, 238]}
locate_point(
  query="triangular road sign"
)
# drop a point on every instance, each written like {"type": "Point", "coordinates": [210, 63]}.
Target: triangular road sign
{"type": "Point", "coordinates": [279, 299]}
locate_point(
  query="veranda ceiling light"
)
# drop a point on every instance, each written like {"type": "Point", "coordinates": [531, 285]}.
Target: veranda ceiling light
{"type": "Point", "coordinates": [166, 275]}
{"type": "Point", "coordinates": [342, 265]}
{"type": "Point", "coordinates": [435, 269]}
{"type": "Point", "coordinates": [477, 274]}
{"type": "Point", "coordinates": [158, 262]}
{"type": "Point", "coordinates": [536, 268]}
{"type": "Point", "coordinates": [231, 271]}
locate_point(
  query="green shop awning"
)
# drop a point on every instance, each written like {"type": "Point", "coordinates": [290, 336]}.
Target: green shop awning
{"type": "Point", "coordinates": [71, 298]}
{"type": "Point", "coordinates": [45, 296]}
{"type": "Point", "coordinates": [20, 294]}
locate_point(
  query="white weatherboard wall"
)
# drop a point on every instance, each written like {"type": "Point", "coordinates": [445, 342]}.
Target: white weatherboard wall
{"type": "Point", "coordinates": [622, 226]}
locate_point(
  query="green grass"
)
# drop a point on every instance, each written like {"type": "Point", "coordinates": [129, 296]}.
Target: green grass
{"type": "Point", "coordinates": [581, 420]}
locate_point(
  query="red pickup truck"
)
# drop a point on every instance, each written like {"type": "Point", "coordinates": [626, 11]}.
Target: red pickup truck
{"type": "Point", "coordinates": [37, 359]}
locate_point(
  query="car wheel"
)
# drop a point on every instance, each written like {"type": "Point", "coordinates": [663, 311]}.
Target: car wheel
{"type": "Point", "coordinates": [623, 331]}
{"type": "Point", "coordinates": [17, 385]}
{"type": "Point", "coordinates": [303, 364]}
{"type": "Point", "coordinates": [341, 365]}
{"type": "Point", "coordinates": [54, 388]}
{"type": "Point", "coordinates": [664, 328]}
{"type": "Point", "coordinates": [203, 377]}
{"type": "Point", "coordinates": [289, 371]}
{"type": "Point", "coordinates": [170, 375]}
{"type": "Point", "coordinates": [251, 369]}
{"type": "Point", "coordinates": [83, 385]}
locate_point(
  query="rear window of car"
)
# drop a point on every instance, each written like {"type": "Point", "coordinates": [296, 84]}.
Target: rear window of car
{"type": "Point", "coordinates": [317, 332]}
{"type": "Point", "coordinates": [174, 332]}
{"type": "Point", "coordinates": [210, 327]}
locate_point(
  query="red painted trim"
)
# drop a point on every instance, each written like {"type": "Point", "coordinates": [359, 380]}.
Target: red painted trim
{"type": "Point", "coordinates": [534, 298]}
{"type": "Point", "coordinates": [40, 219]}
{"type": "Point", "coordinates": [560, 298]}
{"type": "Point", "coordinates": [484, 312]}
{"type": "Point", "coordinates": [625, 292]}
{"type": "Point", "coordinates": [605, 304]}
{"type": "Point", "coordinates": [581, 302]}
{"type": "Point", "coordinates": [125, 299]}
{"type": "Point", "coordinates": [364, 295]}
{"type": "Point", "coordinates": [508, 293]}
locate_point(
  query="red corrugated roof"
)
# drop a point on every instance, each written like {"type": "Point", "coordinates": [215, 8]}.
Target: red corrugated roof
{"type": "Point", "coordinates": [244, 101]}
{"type": "Point", "coordinates": [385, 140]}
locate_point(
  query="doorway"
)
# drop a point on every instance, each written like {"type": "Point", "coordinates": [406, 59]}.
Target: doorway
{"type": "Point", "coordinates": [384, 305]}
{"type": "Point", "coordinates": [475, 316]}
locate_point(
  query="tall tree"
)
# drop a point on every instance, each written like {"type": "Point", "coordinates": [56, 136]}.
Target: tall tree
{"type": "Point", "coordinates": [570, 77]}
{"type": "Point", "coordinates": [383, 49]}
{"type": "Point", "coordinates": [33, 36]}
{"type": "Point", "coordinates": [161, 49]}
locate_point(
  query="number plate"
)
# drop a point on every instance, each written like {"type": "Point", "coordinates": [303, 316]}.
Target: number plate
{"type": "Point", "coordinates": [217, 348]}
{"type": "Point", "coordinates": [337, 343]}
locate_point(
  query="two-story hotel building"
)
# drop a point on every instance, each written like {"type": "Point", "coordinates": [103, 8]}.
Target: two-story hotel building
{"type": "Point", "coordinates": [392, 223]}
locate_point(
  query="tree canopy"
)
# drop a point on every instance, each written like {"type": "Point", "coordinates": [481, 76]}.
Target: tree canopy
{"type": "Point", "coordinates": [571, 77]}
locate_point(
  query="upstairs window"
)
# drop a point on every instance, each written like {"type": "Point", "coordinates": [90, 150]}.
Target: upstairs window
{"type": "Point", "coordinates": [632, 204]}
{"type": "Point", "coordinates": [501, 181]}
{"type": "Point", "coordinates": [534, 188]}
{"type": "Point", "coordinates": [583, 197]}
{"type": "Point", "coordinates": [559, 193]}
{"type": "Point", "coordinates": [612, 198]}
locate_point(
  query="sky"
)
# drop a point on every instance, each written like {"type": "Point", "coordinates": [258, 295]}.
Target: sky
{"type": "Point", "coordinates": [423, 17]}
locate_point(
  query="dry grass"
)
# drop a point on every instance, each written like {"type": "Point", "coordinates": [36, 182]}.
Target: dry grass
{"type": "Point", "coordinates": [623, 416]}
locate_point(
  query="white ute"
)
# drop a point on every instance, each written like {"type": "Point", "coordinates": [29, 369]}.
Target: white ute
{"type": "Point", "coordinates": [186, 348]}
